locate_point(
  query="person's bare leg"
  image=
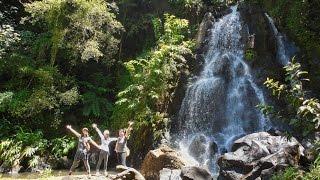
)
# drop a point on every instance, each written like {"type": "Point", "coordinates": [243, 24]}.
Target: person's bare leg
{"type": "Point", "coordinates": [75, 164]}
{"type": "Point", "coordinates": [106, 164]}
{"type": "Point", "coordinates": [87, 166]}
{"type": "Point", "coordinates": [119, 158]}
{"type": "Point", "coordinates": [99, 162]}
{"type": "Point", "coordinates": [123, 159]}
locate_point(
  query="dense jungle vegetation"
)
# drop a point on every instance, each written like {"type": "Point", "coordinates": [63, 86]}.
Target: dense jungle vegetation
{"type": "Point", "coordinates": [108, 62]}
{"type": "Point", "coordinates": [78, 62]}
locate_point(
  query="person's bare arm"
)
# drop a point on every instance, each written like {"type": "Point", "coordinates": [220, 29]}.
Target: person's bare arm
{"type": "Point", "coordinates": [129, 129]}
{"type": "Point", "coordinates": [98, 131]}
{"type": "Point", "coordinates": [73, 131]}
{"type": "Point", "coordinates": [113, 138]}
{"type": "Point", "coordinates": [116, 148]}
{"type": "Point", "coordinates": [94, 143]}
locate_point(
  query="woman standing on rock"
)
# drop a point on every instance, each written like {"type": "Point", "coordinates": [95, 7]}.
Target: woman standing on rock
{"type": "Point", "coordinates": [104, 152]}
{"type": "Point", "coordinates": [83, 149]}
{"type": "Point", "coordinates": [121, 145]}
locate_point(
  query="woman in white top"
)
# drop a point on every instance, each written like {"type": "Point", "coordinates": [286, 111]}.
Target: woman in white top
{"type": "Point", "coordinates": [104, 152]}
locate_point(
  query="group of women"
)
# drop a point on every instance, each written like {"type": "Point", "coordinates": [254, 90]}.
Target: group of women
{"type": "Point", "coordinates": [84, 147]}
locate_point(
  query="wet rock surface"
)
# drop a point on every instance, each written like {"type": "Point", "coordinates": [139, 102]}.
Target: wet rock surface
{"type": "Point", "coordinates": [186, 173]}
{"type": "Point", "coordinates": [258, 37]}
{"type": "Point", "coordinates": [166, 164]}
{"type": "Point", "coordinates": [127, 174]}
{"type": "Point", "coordinates": [259, 155]}
{"type": "Point", "coordinates": [195, 173]}
{"type": "Point", "coordinates": [170, 174]}
{"type": "Point", "coordinates": [41, 166]}
{"type": "Point", "coordinates": [200, 145]}
{"type": "Point", "coordinates": [158, 159]}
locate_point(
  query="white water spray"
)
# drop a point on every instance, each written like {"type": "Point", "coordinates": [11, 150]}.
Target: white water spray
{"type": "Point", "coordinates": [220, 105]}
{"type": "Point", "coordinates": [285, 49]}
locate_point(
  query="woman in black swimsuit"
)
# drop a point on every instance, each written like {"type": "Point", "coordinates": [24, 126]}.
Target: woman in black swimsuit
{"type": "Point", "coordinates": [83, 149]}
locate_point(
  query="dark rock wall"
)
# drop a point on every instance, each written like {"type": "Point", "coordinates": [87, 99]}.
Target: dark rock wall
{"type": "Point", "coordinates": [262, 42]}
{"type": "Point", "coordinates": [299, 20]}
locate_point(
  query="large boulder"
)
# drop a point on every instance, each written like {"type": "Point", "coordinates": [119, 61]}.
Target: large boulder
{"type": "Point", "coordinates": [60, 163]}
{"type": "Point", "coordinates": [259, 155]}
{"type": "Point", "coordinates": [41, 166]}
{"type": "Point", "coordinates": [10, 170]}
{"type": "Point", "coordinates": [163, 157]}
{"type": "Point", "coordinates": [165, 163]}
{"type": "Point", "coordinates": [195, 173]}
{"type": "Point", "coordinates": [186, 173]}
{"type": "Point", "coordinates": [206, 24]}
{"type": "Point", "coordinates": [170, 174]}
{"type": "Point", "coordinates": [198, 148]}
{"type": "Point", "coordinates": [127, 174]}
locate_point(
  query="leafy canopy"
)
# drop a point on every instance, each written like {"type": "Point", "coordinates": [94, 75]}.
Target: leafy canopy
{"type": "Point", "coordinates": [88, 28]}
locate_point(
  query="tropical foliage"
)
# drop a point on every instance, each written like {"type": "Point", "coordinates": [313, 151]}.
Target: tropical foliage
{"type": "Point", "coordinates": [303, 111]}
{"type": "Point", "coordinates": [39, 73]}
{"type": "Point", "coordinates": [24, 145]}
{"type": "Point", "coordinates": [295, 174]}
{"type": "Point", "coordinates": [62, 62]}
{"type": "Point", "coordinates": [154, 75]}
{"type": "Point", "coordinates": [85, 27]}
{"type": "Point", "coordinates": [30, 147]}
{"type": "Point", "coordinates": [7, 37]}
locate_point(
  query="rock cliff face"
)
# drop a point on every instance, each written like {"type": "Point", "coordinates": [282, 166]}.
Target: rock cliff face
{"type": "Point", "coordinates": [298, 21]}
{"type": "Point", "coordinates": [261, 40]}
{"type": "Point", "coordinates": [262, 43]}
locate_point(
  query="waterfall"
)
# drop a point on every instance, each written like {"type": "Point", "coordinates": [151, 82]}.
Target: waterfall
{"type": "Point", "coordinates": [285, 49]}
{"type": "Point", "coordinates": [220, 105]}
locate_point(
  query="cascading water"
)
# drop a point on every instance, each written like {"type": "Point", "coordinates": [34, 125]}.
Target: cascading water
{"type": "Point", "coordinates": [221, 104]}
{"type": "Point", "coordinates": [285, 49]}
